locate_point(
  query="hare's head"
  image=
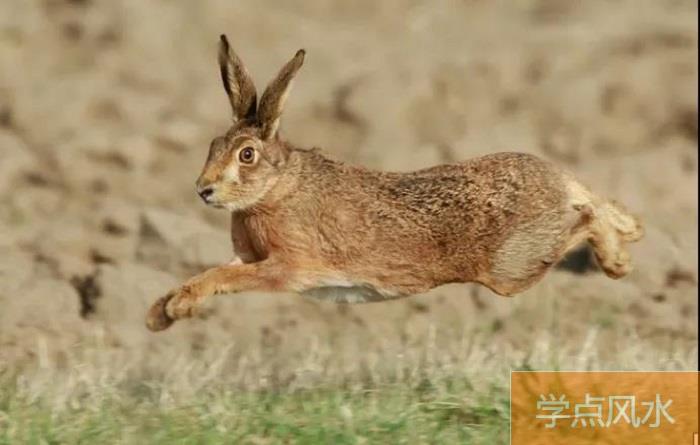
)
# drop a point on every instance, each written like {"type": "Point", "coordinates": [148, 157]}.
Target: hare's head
{"type": "Point", "coordinates": [246, 162]}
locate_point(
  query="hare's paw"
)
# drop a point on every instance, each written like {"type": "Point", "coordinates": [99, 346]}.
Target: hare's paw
{"type": "Point", "coordinates": [184, 303]}
{"type": "Point", "coordinates": [157, 319]}
{"type": "Point", "coordinates": [177, 304]}
{"type": "Point", "coordinates": [617, 264]}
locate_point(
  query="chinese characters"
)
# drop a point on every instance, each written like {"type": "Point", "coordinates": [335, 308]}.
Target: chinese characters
{"type": "Point", "coordinates": [603, 412]}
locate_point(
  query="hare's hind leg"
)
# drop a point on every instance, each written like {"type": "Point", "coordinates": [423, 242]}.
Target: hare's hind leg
{"type": "Point", "coordinates": [528, 254]}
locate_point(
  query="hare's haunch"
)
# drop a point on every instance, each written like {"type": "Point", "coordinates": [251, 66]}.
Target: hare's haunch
{"type": "Point", "coordinates": [301, 222]}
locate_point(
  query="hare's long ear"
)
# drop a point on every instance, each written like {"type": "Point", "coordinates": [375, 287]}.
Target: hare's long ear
{"type": "Point", "coordinates": [272, 100]}
{"type": "Point", "coordinates": [237, 82]}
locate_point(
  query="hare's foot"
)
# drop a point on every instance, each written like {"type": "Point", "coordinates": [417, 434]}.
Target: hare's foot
{"type": "Point", "coordinates": [609, 248]}
{"type": "Point", "coordinates": [615, 264]}
{"type": "Point", "coordinates": [175, 305]}
{"type": "Point", "coordinates": [157, 319]}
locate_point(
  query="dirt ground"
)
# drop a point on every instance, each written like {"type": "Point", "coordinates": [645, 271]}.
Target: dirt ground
{"type": "Point", "coordinates": [107, 109]}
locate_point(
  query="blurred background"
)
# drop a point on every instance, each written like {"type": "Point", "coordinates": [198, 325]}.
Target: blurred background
{"type": "Point", "coordinates": [106, 112]}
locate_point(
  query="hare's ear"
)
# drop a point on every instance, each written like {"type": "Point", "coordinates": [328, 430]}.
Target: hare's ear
{"type": "Point", "coordinates": [237, 82]}
{"type": "Point", "coordinates": [272, 100]}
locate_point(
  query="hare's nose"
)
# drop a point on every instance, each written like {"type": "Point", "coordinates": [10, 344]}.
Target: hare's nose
{"type": "Point", "coordinates": [206, 193]}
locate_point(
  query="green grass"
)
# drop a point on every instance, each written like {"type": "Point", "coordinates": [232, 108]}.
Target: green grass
{"type": "Point", "coordinates": [430, 413]}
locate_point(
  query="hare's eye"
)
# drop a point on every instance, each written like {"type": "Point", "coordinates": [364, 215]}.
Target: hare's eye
{"type": "Point", "coordinates": [247, 155]}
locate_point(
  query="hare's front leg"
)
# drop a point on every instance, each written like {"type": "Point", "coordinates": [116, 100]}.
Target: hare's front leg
{"type": "Point", "coordinates": [181, 302]}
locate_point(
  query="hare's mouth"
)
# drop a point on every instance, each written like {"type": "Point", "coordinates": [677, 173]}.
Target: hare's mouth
{"type": "Point", "coordinates": [218, 203]}
{"type": "Point", "coordinates": [214, 202]}
{"type": "Point", "coordinates": [210, 198]}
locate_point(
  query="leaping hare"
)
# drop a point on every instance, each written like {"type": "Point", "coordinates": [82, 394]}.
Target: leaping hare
{"type": "Point", "coordinates": [304, 223]}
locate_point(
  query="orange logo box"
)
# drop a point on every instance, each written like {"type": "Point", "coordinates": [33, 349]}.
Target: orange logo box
{"type": "Point", "coordinates": [577, 408]}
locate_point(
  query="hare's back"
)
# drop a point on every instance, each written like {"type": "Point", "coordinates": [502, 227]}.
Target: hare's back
{"type": "Point", "coordinates": [467, 211]}
{"type": "Point", "coordinates": [490, 191]}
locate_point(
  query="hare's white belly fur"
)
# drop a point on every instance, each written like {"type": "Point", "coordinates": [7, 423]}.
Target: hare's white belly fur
{"type": "Point", "coordinates": [341, 291]}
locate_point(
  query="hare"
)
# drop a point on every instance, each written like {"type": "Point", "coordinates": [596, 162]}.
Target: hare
{"type": "Point", "coordinates": [303, 223]}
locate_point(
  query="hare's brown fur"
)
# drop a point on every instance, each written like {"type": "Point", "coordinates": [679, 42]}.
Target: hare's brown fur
{"type": "Point", "coordinates": [304, 223]}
